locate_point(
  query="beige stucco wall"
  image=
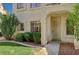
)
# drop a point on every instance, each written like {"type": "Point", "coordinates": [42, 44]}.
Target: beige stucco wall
{"type": "Point", "coordinates": [64, 36]}
{"type": "Point", "coordinates": [58, 26]}
{"type": "Point", "coordinates": [43, 14]}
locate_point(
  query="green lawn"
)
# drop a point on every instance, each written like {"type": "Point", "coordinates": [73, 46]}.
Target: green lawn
{"type": "Point", "coordinates": [7, 48]}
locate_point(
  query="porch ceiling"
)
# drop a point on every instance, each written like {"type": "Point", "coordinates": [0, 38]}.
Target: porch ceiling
{"type": "Point", "coordinates": [57, 13]}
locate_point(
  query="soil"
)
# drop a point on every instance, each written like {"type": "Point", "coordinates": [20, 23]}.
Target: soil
{"type": "Point", "coordinates": [32, 43]}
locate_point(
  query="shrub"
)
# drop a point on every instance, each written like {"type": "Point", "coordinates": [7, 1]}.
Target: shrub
{"type": "Point", "coordinates": [8, 25]}
{"type": "Point", "coordinates": [20, 37]}
{"type": "Point", "coordinates": [1, 34]}
{"type": "Point", "coordinates": [27, 36]}
{"type": "Point", "coordinates": [74, 20]}
{"type": "Point", "coordinates": [36, 37]}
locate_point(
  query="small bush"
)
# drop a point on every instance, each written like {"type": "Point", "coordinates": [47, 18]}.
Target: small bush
{"type": "Point", "coordinates": [20, 37]}
{"type": "Point", "coordinates": [1, 34]}
{"type": "Point", "coordinates": [37, 37]}
{"type": "Point", "coordinates": [27, 36]}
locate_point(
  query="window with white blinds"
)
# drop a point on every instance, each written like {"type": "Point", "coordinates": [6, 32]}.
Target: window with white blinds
{"type": "Point", "coordinates": [20, 5]}
{"type": "Point", "coordinates": [34, 5]}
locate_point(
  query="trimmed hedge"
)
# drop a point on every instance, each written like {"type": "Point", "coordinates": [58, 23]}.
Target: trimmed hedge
{"type": "Point", "coordinates": [20, 37]}
{"type": "Point", "coordinates": [29, 36]}
{"type": "Point", "coordinates": [37, 37]}
{"type": "Point", "coordinates": [1, 34]}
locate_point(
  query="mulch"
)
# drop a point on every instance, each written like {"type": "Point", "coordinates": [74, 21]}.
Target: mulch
{"type": "Point", "coordinates": [33, 44]}
{"type": "Point", "coordinates": [68, 49]}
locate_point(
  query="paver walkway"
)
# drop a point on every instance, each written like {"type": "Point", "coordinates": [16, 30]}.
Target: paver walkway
{"type": "Point", "coordinates": [68, 49]}
{"type": "Point", "coordinates": [53, 48]}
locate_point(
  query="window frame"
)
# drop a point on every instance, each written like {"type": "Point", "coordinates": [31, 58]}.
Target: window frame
{"type": "Point", "coordinates": [35, 5]}
{"type": "Point", "coordinates": [35, 25]}
{"type": "Point", "coordinates": [20, 28]}
{"type": "Point", "coordinates": [52, 4]}
{"type": "Point", "coordinates": [70, 30]}
{"type": "Point", "coordinates": [20, 5]}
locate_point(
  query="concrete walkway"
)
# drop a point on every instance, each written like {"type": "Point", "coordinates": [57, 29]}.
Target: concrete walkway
{"type": "Point", "coordinates": [53, 48]}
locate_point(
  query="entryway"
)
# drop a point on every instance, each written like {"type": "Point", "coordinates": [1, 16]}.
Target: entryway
{"type": "Point", "coordinates": [55, 27]}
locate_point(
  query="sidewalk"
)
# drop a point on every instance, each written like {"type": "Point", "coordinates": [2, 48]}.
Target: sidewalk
{"type": "Point", "coordinates": [53, 48]}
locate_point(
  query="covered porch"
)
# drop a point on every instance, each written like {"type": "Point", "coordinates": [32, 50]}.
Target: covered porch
{"type": "Point", "coordinates": [53, 26]}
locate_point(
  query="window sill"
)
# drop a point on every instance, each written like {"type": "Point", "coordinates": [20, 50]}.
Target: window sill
{"type": "Point", "coordinates": [35, 8]}
{"type": "Point", "coordinates": [21, 31]}
{"type": "Point", "coordinates": [70, 36]}
{"type": "Point", "coordinates": [20, 10]}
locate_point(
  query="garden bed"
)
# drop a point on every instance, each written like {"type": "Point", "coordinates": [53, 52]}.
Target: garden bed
{"type": "Point", "coordinates": [32, 37]}
{"type": "Point", "coordinates": [29, 44]}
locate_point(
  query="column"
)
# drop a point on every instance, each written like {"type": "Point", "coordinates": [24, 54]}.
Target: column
{"type": "Point", "coordinates": [49, 30]}
{"type": "Point", "coordinates": [43, 32]}
{"type": "Point", "coordinates": [63, 27]}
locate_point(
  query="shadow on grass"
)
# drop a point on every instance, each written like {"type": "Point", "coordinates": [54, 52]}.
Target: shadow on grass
{"type": "Point", "coordinates": [10, 44]}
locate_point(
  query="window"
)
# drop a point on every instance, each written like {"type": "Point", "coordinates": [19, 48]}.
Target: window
{"type": "Point", "coordinates": [20, 5]}
{"type": "Point", "coordinates": [35, 26]}
{"type": "Point", "coordinates": [26, 5]}
{"type": "Point", "coordinates": [69, 28]}
{"type": "Point", "coordinates": [21, 27]}
{"type": "Point", "coordinates": [52, 4]}
{"type": "Point", "coordinates": [34, 5]}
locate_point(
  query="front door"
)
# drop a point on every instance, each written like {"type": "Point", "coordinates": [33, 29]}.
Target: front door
{"type": "Point", "coordinates": [55, 26]}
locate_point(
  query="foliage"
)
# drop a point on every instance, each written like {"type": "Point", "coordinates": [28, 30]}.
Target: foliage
{"type": "Point", "coordinates": [1, 34]}
{"type": "Point", "coordinates": [74, 20]}
{"type": "Point", "coordinates": [36, 37]}
{"type": "Point", "coordinates": [20, 37]}
{"type": "Point", "coordinates": [8, 25]}
{"type": "Point", "coordinates": [70, 29]}
{"type": "Point", "coordinates": [28, 36]}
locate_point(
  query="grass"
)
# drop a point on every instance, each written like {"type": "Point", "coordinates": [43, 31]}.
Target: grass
{"type": "Point", "coordinates": [7, 48]}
